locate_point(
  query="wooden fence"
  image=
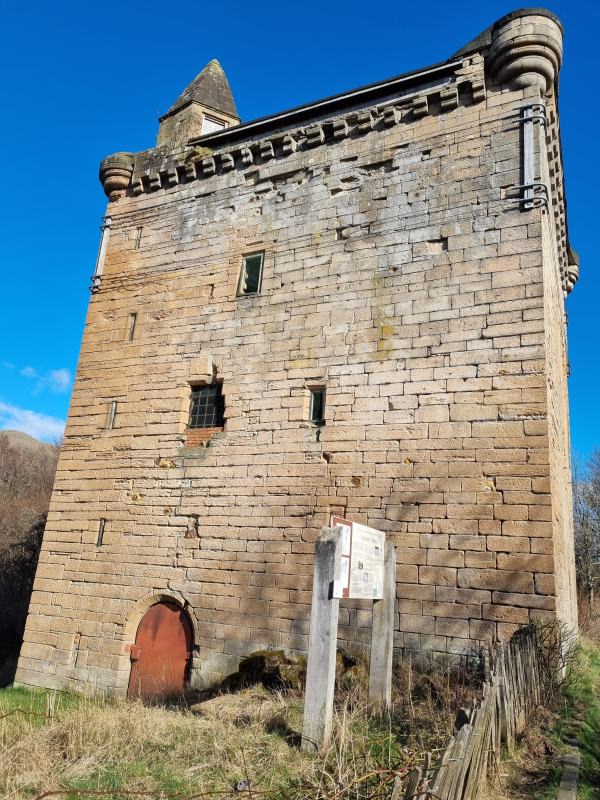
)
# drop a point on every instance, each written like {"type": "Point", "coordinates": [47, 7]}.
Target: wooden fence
{"type": "Point", "coordinates": [511, 692]}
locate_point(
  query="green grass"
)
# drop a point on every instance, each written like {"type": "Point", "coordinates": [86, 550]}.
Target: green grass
{"type": "Point", "coordinates": [38, 706]}
{"type": "Point", "coordinates": [580, 717]}
{"type": "Point", "coordinates": [577, 718]}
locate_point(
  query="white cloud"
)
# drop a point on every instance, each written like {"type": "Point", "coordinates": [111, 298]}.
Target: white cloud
{"type": "Point", "coordinates": [40, 426]}
{"type": "Point", "coordinates": [57, 380]}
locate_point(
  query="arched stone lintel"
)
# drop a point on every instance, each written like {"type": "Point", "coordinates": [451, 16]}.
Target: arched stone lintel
{"type": "Point", "coordinates": [131, 624]}
{"type": "Point", "coordinates": [135, 614]}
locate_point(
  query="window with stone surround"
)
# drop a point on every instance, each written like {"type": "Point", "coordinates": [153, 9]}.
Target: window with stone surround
{"type": "Point", "coordinates": [317, 405]}
{"type": "Point", "coordinates": [251, 274]}
{"type": "Point", "coordinates": [207, 406]}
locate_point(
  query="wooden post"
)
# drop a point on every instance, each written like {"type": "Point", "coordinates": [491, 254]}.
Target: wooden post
{"type": "Point", "coordinates": [322, 643]}
{"type": "Point", "coordinates": [382, 638]}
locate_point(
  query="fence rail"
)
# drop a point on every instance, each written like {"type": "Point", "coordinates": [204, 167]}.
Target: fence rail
{"type": "Point", "coordinates": [511, 692]}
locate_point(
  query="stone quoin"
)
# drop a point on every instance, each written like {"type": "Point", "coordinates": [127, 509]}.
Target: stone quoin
{"type": "Point", "coordinates": [353, 308]}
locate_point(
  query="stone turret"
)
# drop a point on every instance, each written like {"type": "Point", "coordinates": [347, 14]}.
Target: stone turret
{"type": "Point", "coordinates": [205, 106]}
{"type": "Point", "coordinates": [526, 49]}
{"type": "Point", "coordinates": [115, 172]}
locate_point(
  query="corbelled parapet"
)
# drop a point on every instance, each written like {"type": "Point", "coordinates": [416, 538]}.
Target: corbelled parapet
{"type": "Point", "coordinates": [526, 49]}
{"type": "Point", "coordinates": [115, 172]}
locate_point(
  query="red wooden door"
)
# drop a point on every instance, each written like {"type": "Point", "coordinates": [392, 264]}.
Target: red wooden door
{"type": "Point", "coordinates": [161, 655]}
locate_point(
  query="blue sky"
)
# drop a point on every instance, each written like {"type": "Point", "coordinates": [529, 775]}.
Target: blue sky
{"type": "Point", "coordinates": [85, 79]}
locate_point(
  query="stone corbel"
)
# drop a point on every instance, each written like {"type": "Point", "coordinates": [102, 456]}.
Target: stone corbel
{"type": "Point", "coordinates": [477, 89]}
{"type": "Point", "coordinates": [315, 136]}
{"type": "Point", "coordinates": [227, 162]}
{"type": "Point", "coordinates": [154, 181]}
{"type": "Point", "coordinates": [137, 187]}
{"type": "Point", "coordinates": [266, 150]}
{"type": "Point", "coordinates": [449, 98]}
{"type": "Point", "coordinates": [208, 166]}
{"type": "Point", "coordinates": [246, 156]}
{"type": "Point", "coordinates": [364, 121]}
{"type": "Point", "coordinates": [420, 107]}
{"type": "Point", "coordinates": [391, 116]}
{"type": "Point", "coordinates": [189, 171]}
{"type": "Point", "coordinates": [288, 145]}
{"type": "Point", "coordinates": [172, 178]}
{"type": "Point", "coordinates": [340, 128]}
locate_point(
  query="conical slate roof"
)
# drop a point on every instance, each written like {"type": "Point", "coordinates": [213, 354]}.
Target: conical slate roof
{"type": "Point", "coordinates": [210, 88]}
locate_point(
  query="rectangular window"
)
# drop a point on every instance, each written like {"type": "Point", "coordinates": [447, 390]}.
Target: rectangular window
{"type": "Point", "coordinates": [317, 406]}
{"type": "Point", "coordinates": [138, 237]}
{"type": "Point", "coordinates": [207, 407]}
{"type": "Point", "coordinates": [111, 414]}
{"type": "Point", "coordinates": [211, 125]}
{"type": "Point", "coordinates": [101, 526]}
{"type": "Point", "coordinates": [131, 327]}
{"type": "Point", "coordinates": [251, 274]}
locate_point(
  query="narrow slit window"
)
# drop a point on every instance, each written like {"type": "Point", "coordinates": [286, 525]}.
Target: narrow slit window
{"type": "Point", "coordinates": [251, 274]}
{"type": "Point", "coordinates": [131, 326]}
{"type": "Point", "coordinates": [317, 406]}
{"type": "Point", "coordinates": [75, 650]}
{"type": "Point", "coordinates": [138, 237]}
{"type": "Point", "coordinates": [207, 406]}
{"type": "Point", "coordinates": [101, 526]}
{"type": "Point", "coordinates": [110, 417]}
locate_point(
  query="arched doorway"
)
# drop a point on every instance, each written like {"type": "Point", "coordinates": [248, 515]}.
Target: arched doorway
{"type": "Point", "coordinates": [160, 657]}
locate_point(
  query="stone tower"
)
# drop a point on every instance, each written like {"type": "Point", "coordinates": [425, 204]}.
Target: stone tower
{"type": "Point", "coordinates": [353, 307]}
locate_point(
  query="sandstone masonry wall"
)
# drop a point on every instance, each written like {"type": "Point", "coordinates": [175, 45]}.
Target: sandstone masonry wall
{"type": "Point", "coordinates": [401, 275]}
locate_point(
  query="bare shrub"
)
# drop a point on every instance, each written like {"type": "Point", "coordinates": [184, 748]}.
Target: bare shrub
{"type": "Point", "coordinates": [428, 695]}
{"type": "Point", "coordinates": [586, 519]}
{"type": "Point", "coordinates": [589, 616]}
{"type": "Point", "coordinates": [556, 653]}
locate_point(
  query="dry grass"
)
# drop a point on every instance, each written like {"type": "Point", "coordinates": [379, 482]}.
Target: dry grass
{"type": "Point", "coordinates": [82, 745]}
{"type": "Point", "coordinates": [59, 741]}
{"type": "Point", "coordinates": [532, 770]}
{"type": "Point", "coordinates": [125, 745]}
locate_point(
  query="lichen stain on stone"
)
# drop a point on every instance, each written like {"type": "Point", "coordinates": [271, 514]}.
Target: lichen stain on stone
{"type": "Point", "coordinates": [165, 463]}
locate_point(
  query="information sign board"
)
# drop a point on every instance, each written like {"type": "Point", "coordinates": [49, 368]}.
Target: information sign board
{"type": "Point", "coordinates": [362, 561]}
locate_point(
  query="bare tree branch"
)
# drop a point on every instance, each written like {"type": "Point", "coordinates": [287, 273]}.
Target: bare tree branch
{"type": "Point", "coordinates": [586, 518]}
{"type": "Point", "coordinates": [26, 478]}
